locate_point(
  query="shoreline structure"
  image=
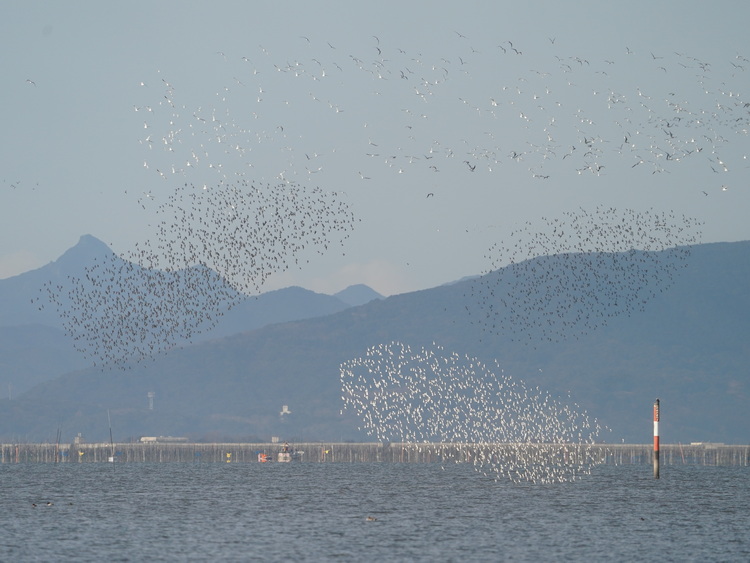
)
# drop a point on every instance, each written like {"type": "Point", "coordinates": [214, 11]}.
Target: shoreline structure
{"type": "Point", "coordinates": [697, 453]}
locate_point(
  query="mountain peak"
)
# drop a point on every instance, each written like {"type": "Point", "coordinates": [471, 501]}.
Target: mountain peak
{"type": "Point", "coordinates": [358, 294]}
{"type": "Point", "coordinates": [87, 249]}
{"type": "Point", "coordinates": [90, 243]}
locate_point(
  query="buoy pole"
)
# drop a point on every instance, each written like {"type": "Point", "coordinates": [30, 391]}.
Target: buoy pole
{"type": "Point", "coordinates": [656, 439]}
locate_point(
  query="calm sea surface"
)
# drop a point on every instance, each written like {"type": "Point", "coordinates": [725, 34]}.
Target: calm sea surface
{"type": "Point", "coordinates": [319, 512]}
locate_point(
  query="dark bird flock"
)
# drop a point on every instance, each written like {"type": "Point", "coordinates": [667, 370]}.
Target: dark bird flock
{"type": "Point", "coordinates": [212, 247]}
{"type": "Point", "coordinates": [567, 276]}
{"type": "Point", "coordinates": [232, 180]}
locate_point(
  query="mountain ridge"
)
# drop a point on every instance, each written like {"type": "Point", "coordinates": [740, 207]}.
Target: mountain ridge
{"type": "Point", "coordinates": [688, 346]}
{"type": "Point", "coordinates": [24, 303]}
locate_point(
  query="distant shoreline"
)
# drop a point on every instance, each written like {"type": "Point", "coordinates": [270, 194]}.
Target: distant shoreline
{"type": "Point", "coordinates": [698, 453]}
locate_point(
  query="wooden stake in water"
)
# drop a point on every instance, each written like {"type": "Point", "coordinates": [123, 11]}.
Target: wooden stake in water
{"type": "Point", "coordinates": [656, 439]}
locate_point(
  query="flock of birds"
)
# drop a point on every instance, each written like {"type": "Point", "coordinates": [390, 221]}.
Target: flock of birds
{"type": "Point", "coordinates": [246, 231]}
{"type": "Point", "coordinates": [475, 108]}
{"type": "Point", "coordinates": [211, 248]}
{"type": "Point", "coordinates": [430, 396]}
{"type": "Point", "coordinates": [228, 176]}
{"type": "Point", "coordinates": [566, 277]}
{"type": "Point", "coordinates": [120, 313]}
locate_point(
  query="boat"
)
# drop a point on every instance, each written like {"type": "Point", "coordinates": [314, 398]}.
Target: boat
{"type": "Point", "coordinates": [285, 455]}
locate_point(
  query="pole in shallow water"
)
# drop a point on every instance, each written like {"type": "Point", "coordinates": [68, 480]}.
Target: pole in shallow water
{"type": "Point", "coordinates": [111, 458]}
{"type": "Point", "coordinates": [656, 439]}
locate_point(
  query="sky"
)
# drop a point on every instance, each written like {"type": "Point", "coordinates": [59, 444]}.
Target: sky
{"type": "Point", "coordinates": [443, 128]}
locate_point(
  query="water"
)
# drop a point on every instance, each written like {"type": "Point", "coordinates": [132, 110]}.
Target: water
{"type": "Point", "coordinates": [317, 512]}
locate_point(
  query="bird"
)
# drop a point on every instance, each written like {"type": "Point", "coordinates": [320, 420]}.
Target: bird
{"type": "Point", "coordinates": [418, 396]}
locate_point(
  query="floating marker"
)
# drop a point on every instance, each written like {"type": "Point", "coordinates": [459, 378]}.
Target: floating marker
{"type": "Point", "coordinates": [656, 439]}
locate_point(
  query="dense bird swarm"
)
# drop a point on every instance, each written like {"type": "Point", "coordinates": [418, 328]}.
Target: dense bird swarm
{"type": "Point", "coordinates": [120, 312]}
{"type": "Point", "coordinates": [247, 232]}
{"type": "Point", "coordinates": [565, 277]}
{"type": "Point", "coordinates": [212, 248]}
{"type": "Point", "coordinates": [430, 395]}
{"type": "Point", "coordinates": [228, 172]}
{"type": "Point", "coordinates": [236, 165]}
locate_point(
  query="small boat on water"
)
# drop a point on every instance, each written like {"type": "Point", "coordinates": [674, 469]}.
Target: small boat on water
{"type": "Point", "coordinates": [284, 456]}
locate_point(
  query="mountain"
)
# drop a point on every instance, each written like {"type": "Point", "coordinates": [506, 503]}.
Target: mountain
{"type": "Point", "coordinates": [35, 348]}
{"type": "Point", "coordinates": [687, 345]}
{"type": "Point", "coordinates": [33, 345]}
{"type": "Point", "coordinates": [358, 294]}
{"type": "Point", "coordinates": [23, 298]}
{"type": "Point", "coordinates": [278, 306]}
{"type": "Point", "coordinates": [33, 354]}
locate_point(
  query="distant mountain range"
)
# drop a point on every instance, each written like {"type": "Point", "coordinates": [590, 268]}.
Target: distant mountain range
{"type": "Point", "coordinates": [34, 347]}
{"type": "Point", "coordinates": [688, 345]}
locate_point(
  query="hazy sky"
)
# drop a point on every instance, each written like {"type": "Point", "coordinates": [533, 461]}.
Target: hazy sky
{"type": "Point", "coordinates": [444, 126]}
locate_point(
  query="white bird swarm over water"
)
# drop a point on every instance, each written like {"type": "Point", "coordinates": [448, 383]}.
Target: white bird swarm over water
{"type": "Point", "coordinates": [430, 396]}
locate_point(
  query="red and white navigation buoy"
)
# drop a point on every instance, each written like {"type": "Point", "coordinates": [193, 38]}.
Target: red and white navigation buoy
{"type": "Point", "coordinates": [656, 439]}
